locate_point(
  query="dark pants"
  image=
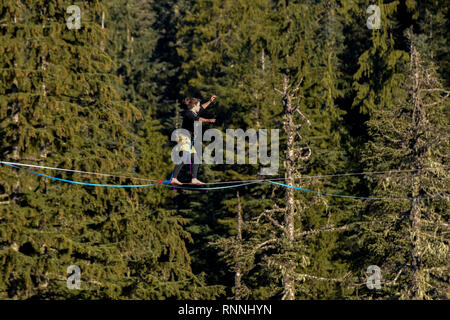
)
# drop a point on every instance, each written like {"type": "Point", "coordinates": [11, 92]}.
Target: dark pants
{"type": "Point", "coordinates": [186, 160]}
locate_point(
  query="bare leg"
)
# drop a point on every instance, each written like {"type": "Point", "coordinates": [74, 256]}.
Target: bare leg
{"type": "Point", "coordinates": [194, 175]}
{"type": "Point", "coordinates": [177, 170]}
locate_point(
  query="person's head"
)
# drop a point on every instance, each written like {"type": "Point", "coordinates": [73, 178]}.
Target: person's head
{"type": "Point", "coordinates": [193, 104]}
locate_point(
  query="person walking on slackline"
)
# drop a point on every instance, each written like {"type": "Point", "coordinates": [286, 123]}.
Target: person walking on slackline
{"type": "Point", "coordinates": [191, 114]}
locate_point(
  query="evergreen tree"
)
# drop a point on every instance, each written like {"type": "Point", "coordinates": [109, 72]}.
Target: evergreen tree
{"type": "Point", "coordinates": [133, 45]}
{"type": "Point", "coordinates": [430, 19]}
{"type": "Point", "coordinates": [406, 239]}
{"type": "Point", "coordinates": [106, 97]}
{"type": "Point", "coordinates": [60, 103]}
{"type": "Point", "coordinates": [273, 49]}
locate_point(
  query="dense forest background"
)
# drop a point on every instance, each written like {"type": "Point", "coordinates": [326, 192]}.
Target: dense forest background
{"type": "Point", "coordinates": [106, 97]}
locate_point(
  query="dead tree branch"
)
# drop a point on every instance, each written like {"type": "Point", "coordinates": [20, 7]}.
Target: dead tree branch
{"type": "Point", "coordinates": [308, 276]}
{"type": "Point", "coordinates": [263, 244]}
{"type": "Point", "coordinates": [307, 234]}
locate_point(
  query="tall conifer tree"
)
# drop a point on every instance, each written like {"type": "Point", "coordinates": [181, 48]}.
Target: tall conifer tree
{"type": "Point", "coordinates": [406, 239]}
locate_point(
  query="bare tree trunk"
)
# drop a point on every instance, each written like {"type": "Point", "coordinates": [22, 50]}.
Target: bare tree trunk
{"type": "Point", "coordinates": [263, 61]}
{"type": "Point", "coordinates": [238, 274]}
{"type": "Point", "coordinates": [256, 93]}
{"type": "Point", "coordinates": [15, 154]}
{"type": "Point", "coordinates": [417, 290]}
{"type": "Point", "coordinates": [15, 118]}
{"type": "Point", "coordinates": [15, 113]}
{"type": "Point", "coordinates": [102, 43]}
{"type": "Point", "coordinates": [43, 148]}
{"type": "Point", "coordinates": [289, 126]}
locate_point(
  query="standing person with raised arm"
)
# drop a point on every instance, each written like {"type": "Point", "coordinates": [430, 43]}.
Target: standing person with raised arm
{"type": "Point", "coordinates": [194, 110]}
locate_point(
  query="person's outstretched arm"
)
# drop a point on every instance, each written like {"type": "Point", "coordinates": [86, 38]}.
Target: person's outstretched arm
{"type": "Point", "coordinates": [206, 104]}
{"type": "Point", "coordinates": [206, 120]}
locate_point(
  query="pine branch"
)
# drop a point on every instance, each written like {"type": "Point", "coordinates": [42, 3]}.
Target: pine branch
{"type": "Point", "coordinates": [385, 283]}
{"type": "Point", "coordinates": [261, 245]}
{"type": "Point", "coordinates": [325, 279]}
{"type": "Point", "coordinates": [437, 102]}
{"type": "Point", "coordinates": [13, 246]}
{"type": "Point", "coordinates": [298, 153]}
{"type": "Point", "coordinates": [303, 207]}
{"type": "Point", "coordinates": [303, 116]}
{"type": "Point", "coordinates": [317, 231]}
{"type": "Point", "coordinates": [444, 268]}
{"type": "Point", "coordinates": [389, 138]}
{"type": "Point", "coordinates": [279, 91]}
{"type": "Point", "coordinates": [274, 222]}
{"type": "Point", "coordinates": [297, 86]}
{"type": "Point", "coordinates": [435, 89]}
{"type": "Point", "coordinates": [61, 278]}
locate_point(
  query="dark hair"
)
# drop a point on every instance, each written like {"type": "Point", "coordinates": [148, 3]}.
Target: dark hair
{"type": "Point", "coordinates": [191, 102]}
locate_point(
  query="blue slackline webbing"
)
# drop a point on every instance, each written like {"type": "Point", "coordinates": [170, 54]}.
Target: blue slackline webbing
{"type": "Point", "coordinates": [86, 183]}
{"type": "Point", "coordinates": [217, 188]}
{"type": "Point", "coordinates": [353, 197]}
{"type": "Point", "coordinates": [167, 183]}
